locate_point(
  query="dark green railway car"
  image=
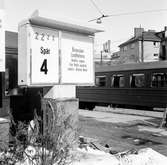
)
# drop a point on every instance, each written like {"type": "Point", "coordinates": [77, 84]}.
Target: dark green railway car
{"type": "Point", "coordinates": [138, 85]}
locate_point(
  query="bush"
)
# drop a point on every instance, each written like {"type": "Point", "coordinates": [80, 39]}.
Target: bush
{"type": "Point", "coordinates": [35, 144]}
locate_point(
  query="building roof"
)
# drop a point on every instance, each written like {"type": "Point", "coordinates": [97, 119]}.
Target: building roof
{"type": "Point", "coordinates": [62, 24]}
{"type": "Point", "coordinates": [146, 36]}
{"type": "Point", "coordinates": [132, 66]}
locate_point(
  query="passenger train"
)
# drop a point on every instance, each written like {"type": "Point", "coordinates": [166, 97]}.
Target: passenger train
{"type": "Point", "coordinates": [139, 85]}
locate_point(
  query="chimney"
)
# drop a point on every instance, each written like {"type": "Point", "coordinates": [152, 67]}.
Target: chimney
{"type": "Point", "coordinates": [165, 28]}
{"type": "Point", "coordinates": [138, 32]}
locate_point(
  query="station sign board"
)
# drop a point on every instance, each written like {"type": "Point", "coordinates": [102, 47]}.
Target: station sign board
{"type": "Point", "coordinates": [38, 56]}
{"type": "Point", "coordinates": [2, 41]}
{"type": "Point", "coordinates": [77, 59]}
{"type": "Point", "coordinates": [44, 56]}
{"type": "Point", "coordinates": [55, 52]}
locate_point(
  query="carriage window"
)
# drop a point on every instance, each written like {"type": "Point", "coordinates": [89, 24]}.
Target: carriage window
{"type": "Point", "coordinates": [159, 80]}
{"type": "Point", "coordinates": [137, 80]}
{"type": "Point", "coordinates": [117, 81]}
{"type": "Point", "coordinates": [100, 81]}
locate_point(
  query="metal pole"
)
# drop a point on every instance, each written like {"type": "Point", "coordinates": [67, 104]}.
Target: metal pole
{"type": "Point", "coordinates": [142, 49]}
{"type": "Point", "coordinates": [101, 57]}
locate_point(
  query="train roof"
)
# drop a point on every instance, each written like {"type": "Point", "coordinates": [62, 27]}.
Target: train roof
{"type": "Point", "coordinates": [132, 66]}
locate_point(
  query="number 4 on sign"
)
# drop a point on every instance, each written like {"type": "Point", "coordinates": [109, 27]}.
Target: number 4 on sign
{"type": "Point", "coordinates": [44, 66]}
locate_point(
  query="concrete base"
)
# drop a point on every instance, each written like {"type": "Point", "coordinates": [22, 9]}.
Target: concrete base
{"type": "Point", "coordinates": [60, 91]}
{"type": "Point", "coordinates": [4, 133]}
{"type": "Point", "coordinates": [61, 115]}
{"type": "Point", "coordinates": [4, 111]}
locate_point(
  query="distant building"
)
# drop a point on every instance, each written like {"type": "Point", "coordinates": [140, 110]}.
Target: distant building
{"type": "Point", "coordinates": [105, 55]}
{"type": "Point", "coordinates": [115, 56]}
{"type": "Point", "coordinates": [143, 47]}
{"type": "Point", "coordinates": [102, 57]}
{"type": "Point", "coordinates": [163, 45]}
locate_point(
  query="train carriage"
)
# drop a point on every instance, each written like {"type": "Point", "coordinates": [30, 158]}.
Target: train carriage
{"type": "Point", "coordinates": [139, 85]}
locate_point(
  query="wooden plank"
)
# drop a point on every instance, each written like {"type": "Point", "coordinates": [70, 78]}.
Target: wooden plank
{"type": "Point", "coordinates": [163, 118]}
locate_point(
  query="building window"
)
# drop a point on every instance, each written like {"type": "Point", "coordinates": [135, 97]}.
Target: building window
{"type": "Point", "coordinates": [159, 80]}
{"type": "Point", "coordinates": [132, 46]}
{"type": "Point", "coordinates": [156, 44]}
{"type": "Point", "coordinates": [137, 80]}
{"type": "Point", "coordinates": [155, 55]}
{"type": "Point", "coordinates": [100, 81]}
{"type": "Point", "coordinates": [118, 81]}
{"type": "Point", "coordinates": [125, 48]}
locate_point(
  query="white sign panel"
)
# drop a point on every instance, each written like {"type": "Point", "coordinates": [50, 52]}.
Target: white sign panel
{"type": "Point", "coordinates": [2, 42]}
{"type": "Point", "coordinates": [77, 59]}
{"type": "Point", "coordinates": [54, 52]}
{"type": "Point", "coordinates": [44, 56]}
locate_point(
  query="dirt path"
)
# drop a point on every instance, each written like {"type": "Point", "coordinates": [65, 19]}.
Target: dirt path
{"type": "Point", "coordinates": [123, 131]}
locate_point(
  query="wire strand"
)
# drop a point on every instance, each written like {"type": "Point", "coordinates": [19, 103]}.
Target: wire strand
{"type": "Point", "coordinates": [138, 12]}
{"type": "Point", "coordinates": [97, 7]}
{"type": "Point", "coordinates": [129, 13]}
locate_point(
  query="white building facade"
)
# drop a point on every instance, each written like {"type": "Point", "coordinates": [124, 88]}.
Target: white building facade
{"type": "Point", "coordinates": [143, 47]}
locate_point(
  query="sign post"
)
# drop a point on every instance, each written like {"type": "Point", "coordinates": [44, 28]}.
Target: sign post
{"type": "Point", "coordinates": [56, 56]}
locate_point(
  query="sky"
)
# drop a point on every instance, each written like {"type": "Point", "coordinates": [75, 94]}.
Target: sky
{"type": "Point", "coordinates": [117, 28]}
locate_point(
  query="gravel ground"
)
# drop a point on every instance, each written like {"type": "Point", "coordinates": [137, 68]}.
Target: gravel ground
{"type": "Point", "coordinates": [123, 131]}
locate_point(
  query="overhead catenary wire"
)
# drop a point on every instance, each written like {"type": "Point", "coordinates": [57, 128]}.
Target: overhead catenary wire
{"type": "Point", "coordinates": [129, 13]}
{"type": "Point", "coordinates": [138, 12]}
{"type": "Point", "coordinates": [98, 19]}
{"type": "Point", "coordinates": [94, 4]}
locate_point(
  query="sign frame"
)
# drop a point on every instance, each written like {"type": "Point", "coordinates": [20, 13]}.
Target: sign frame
{"type": "Point", "coordinates": [31, 61]}
{"type": "Point", "coordinates": [25, 62]}
{"type": "Point", "coordinates": [81, 37]}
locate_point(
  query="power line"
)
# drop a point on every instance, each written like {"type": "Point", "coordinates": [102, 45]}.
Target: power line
{"type": "Point", "coordinates": [128, 13]}
{"type": "Point", "coordinates": [94, 4]}
{"type": "Point", "coordinates": [138, 12]}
